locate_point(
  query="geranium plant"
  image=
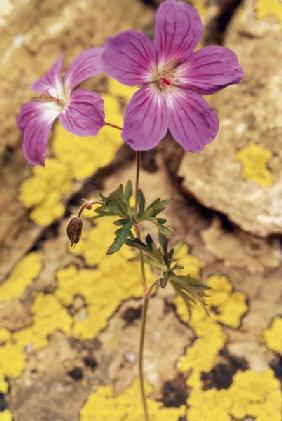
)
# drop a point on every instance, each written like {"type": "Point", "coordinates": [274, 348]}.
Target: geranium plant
{"type": "Point", "coordinates": [172, 77]}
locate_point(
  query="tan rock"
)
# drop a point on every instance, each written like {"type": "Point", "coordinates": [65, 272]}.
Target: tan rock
{"type": "Point", "coordinates": [240, 250]}
{"type": "Point", "coordinates": [240, 173]}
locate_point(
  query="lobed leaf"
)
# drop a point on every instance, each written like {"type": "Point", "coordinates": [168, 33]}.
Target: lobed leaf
{"type": "Point", "coordinates": [121, 237]}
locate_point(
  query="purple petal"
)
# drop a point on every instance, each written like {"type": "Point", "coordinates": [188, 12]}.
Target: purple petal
{"type": "Point", "coordinates": [35, 120]}
{"type": "Point", "coordinates": [51, 83]}
{"type": "Point", "coordinates": [210, 69]}
{"type": "Point", "coordinates": [87, 64]}
{"type": "Point", "coordinates": [84, 115]}
{"type": "Point", "coordinates": [129, 57]}
{"type": "Point", "coordinates": [178, 29]}
{"type": "Point", "coordinates": [193, 123]}
{"type": "Point", "coordinates": [145, 119]}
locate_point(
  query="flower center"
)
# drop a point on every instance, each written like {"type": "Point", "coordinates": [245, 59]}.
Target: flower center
{"type": "Point", "coordinates": [163, 76]}
{"type": "Point", "coordinates": [61, 98]}
{"type": "Point", "coordinates": [163, 81]}
{"type": "Point", "coordinates": [47, 97]}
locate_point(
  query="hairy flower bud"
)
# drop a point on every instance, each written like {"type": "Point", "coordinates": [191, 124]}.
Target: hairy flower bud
{"type": "Point", "coordinates": [162, 282]}
{"type": "Point", "coordinates": [74, 229]}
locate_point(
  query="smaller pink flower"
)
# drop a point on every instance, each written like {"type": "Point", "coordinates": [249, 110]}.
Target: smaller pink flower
{"type": "Point", "coordinates": [80, 111]}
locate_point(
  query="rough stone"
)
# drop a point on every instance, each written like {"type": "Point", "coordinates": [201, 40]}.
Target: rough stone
{"type": "Point", "coordinates": [240, 173]}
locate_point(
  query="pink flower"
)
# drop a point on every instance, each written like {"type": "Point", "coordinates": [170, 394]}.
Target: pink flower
{"type": "Point", "coordinates": [172, 78]}
{"type": "Point", "coordinates": [80, 111]}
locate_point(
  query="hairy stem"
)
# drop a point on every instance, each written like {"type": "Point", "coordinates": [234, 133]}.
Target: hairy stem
{"type": "Point", "coordinates": [87, 205]}
{"type": "Point", "coordinates": [141, 356]}
{"type": "Point", "coordinates": [138, 232]}
{"type": "Point", "coordinates": [114, 126]}
{"type": "Point", "coordinates": [145, 303]}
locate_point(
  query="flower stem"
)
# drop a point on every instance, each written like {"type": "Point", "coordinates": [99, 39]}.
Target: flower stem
{"type": "Point", "coordinates": [138, 232]}
{"type": "Point", "coordinates": [115, 126]}
{"type": "Point", "coordinates": [87, 205]}
{"type": "Point", "coordinates": [145, 302]}
{"type": "Point", "coordinates": [141, 356]}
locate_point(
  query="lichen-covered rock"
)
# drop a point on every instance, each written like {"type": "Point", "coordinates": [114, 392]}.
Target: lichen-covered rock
{"type": "Point", "coordinates": [69, 318]}
{"type": "Point", "coordinates": [240, 173]}
{"type": "Point", "coordinates": [32, 35]}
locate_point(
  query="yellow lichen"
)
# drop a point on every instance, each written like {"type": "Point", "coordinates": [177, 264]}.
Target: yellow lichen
{"type": "Point", "coordinates": [200, 6]}
{"type": "Point", "coordinates": [45, 190]}
{"type": "Point", "coordinates": [210, 335]}
{"type": "Point", "coordinates": [3, 384]}
{"type": "Point", "coordinates": [12, 361]}
{"type": "Point", "coordinates": [254, 394]}
{"type": "Point", "coordinates": [6, 415]}
{"type": "Point", "coordinates": [102, 289]}
{"type": "Point", "coordinates": [5, 335]}
{"type": "Point", "coordinates": [119, 90]}
{"type": "Point", "coordinates": [254, 159]}
{"type": "Point", "coordinates": [209, 405]}
{"type": "Point", "coordinates": [21, 277]}
{"type": "Point", "coordinates": [104, 405]}
{"type": "Point", "coordinates": [273, 335]}
{"type": "Point", "coordinates": [222, 297]}
{"type": "Point", "coordinates": [266, 8]}
{"type": "Point", "coordinates": [84, 155]}
{"type": "Point", "coordinates": [192, 264]}
{"type": "Point", "coordinates": [203, 354]}
{"type": "Point", "coordinates": [95, 242]}
{"type": "Point", "coordinates": [48, 316]}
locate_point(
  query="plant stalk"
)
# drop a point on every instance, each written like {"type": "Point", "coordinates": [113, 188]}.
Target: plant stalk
{"type": "Point", "coordinates": [138, 232]}
{"type": "Point", "coordinates": [145, 302]}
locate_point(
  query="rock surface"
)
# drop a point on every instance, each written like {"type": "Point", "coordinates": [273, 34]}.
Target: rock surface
{"type": "Point", "coordinates": [69, 318]}
{"type": "Point", "coordinates": [32, 35]}
{"type": "Point", "coordinates": [240, 173]}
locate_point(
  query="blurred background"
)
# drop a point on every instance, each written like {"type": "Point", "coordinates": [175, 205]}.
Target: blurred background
{"type": "Point", "coordinates": [69, 318]}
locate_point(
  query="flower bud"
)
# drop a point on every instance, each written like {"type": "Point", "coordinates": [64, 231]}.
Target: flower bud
{"type": "Point", "coordinates": [162, 282]}
{"type": "Point", "coordinates": [74, 229]}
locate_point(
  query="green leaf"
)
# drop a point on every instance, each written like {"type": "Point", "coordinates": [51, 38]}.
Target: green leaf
{"type": "Point", "coordinates": [191, 290]}
{"type": "Point", "coordinates": [121, 236]}
{"type": "Point", "coordinates": [128, 191]}
{"type": "Point", "coordinates": [164, 230]}
{"type": "Point", "coordinates": [187, 304]}
{"type": "Point", "coordinates": [102, 197]}
{"type": "Point", "coordinates": [156, 207]}
{"type": "Point", "coordinates": [141, 203]}
{"type": "Point", "coordinates": [119, 191]}
{"type": "Point", "coordinates": [135, 242]}
{"type": "Point", "coordinates": [163, 242]}
{"type": "Point", "coordinates": [121, 222]}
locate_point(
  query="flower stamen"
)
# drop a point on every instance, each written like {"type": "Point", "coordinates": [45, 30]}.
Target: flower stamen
{"type": "Point", "coordinates": [165, 81]}
{"type": "Point", "coordinates": [47, 97]}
